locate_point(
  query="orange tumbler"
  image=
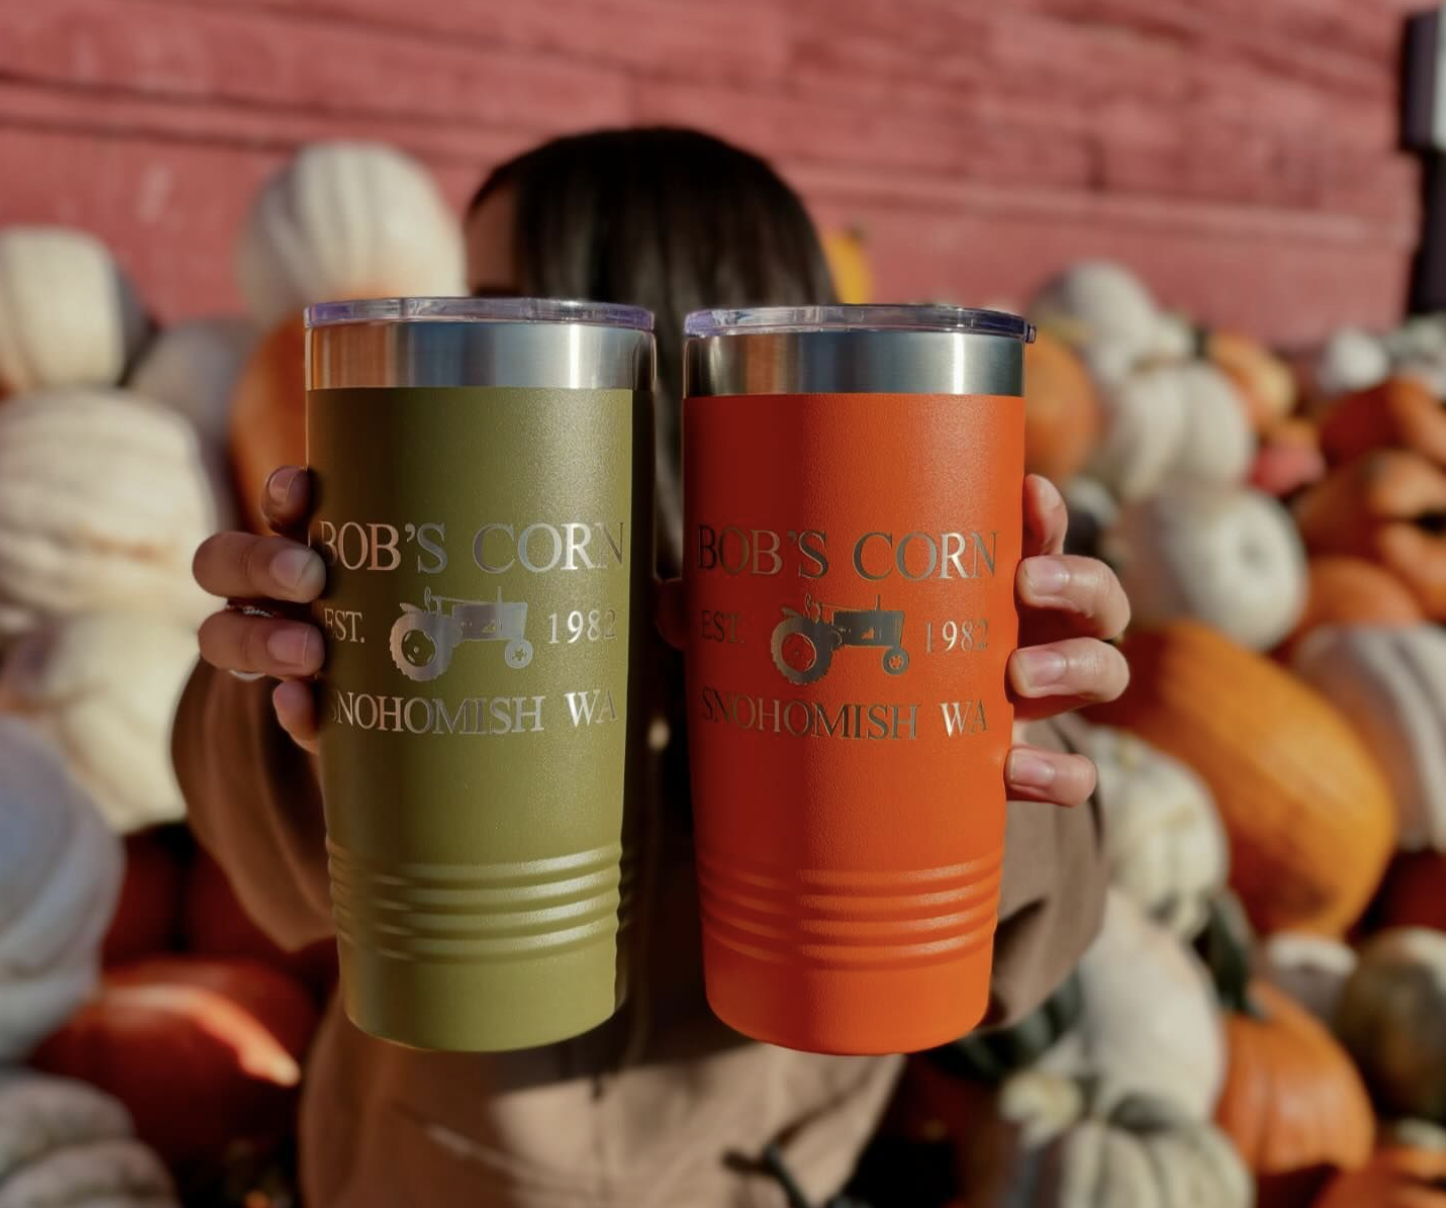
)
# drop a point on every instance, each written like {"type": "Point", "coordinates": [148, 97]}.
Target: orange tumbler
{"type": "Point", "coordinates": [853, 492]}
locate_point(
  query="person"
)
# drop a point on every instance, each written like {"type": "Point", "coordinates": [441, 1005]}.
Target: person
{"type": "Point", "coordinates": [664, 1105]}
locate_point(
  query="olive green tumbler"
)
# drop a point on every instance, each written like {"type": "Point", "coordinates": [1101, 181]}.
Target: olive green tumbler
{"type": "Point", "coordinates": [482, 489]}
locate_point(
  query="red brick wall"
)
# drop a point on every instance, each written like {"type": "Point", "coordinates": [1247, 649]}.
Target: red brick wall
{"type": "Point", "coordinates": [1240, 153]}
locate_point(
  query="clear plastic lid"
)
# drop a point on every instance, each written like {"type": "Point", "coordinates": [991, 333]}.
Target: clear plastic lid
{"type": "Point", "coordinates": [478, 310]}
{"type": "Point", "coordinates": [760, 320]}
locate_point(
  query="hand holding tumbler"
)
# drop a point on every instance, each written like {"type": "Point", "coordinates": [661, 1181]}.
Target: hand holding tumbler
{"type": "Point", "coordinates": [853, 482]}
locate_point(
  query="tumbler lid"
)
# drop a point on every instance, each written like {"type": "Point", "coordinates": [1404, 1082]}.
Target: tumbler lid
{"type": "Point", "coordinates": [478, 310]}
{"type": "Point", "coordinates": [768, 320]}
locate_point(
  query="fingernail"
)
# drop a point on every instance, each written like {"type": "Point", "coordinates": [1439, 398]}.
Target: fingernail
{"type": "Point", "coordinates": [288, 646]}
{"type": "Point", "coordinates": [297, 568]}
{"type": "Point", "coordinates": [1035, 669]}
{"type": "Point", "coordinates": [1029, 769]}
{"type": "Point", "coordinates": [278, 486]}
{"type": "Point", "coordinates": [1046, 576]}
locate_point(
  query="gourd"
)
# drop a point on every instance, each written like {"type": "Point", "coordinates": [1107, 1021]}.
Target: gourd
{"type": "Point", "coordinates": [202, 1052]}
{"type": "Point", "coordinates": [347, 220]}
{"type": "Point", "coordinates": [147, 918]}
{"type": "Point", "coordinates": [1148, 1020]}
{"type": "Point", "coordinates": [1310, 969]}
{"type": "Point", "coordinates": [60, 874]}
{"type": "Point", "coordinates": [215, 924]}
{"type": "Point", "coordinates": [1307, 811]}
{"type": "Point", "coordinates": [1390, 1018]}
{"type": "Point", "coordinates": [1391, 682]}
{"type": "Point", "coordinates": [268, 417]}
{"type": "Point", "coordinates": [1227, 556]}
{"type": "Point", "coordinates": [63, 1142]}
{"type": "Point", "coordinates": [1352, 360]}
{"type": "Point", "coordinates": [103, 501]}
{"type": "Point", "coordinates": [1102, 310]}
{"type": "Point", "coordinates": [1163, 838]}
{"type": "Point", "coordinates": [193, 368]}
{"type": "Point", "coordinates": [1171, 423]}
{"type": "Point", "coordinates": [1385, 506]}
{"type": "Point", "coordinates": [1352, 591]}
{"type": "Point", "coordinates": [1412, 893]}
{"type": "Point", "coordinates": [1288, 459]}
{"type": "Point", "coordinates": [1407, 1171]}
{"type": "Point", "coordinates": [1400, 412]}
{"type": "Point", "coordinates": [68, 316]}
{"type": "Point", "coordinates": [1059, 1142]}
{"type": "Point", "coordinates": [1061, 413]}
{"type": "Point", "coordinates": [1292, 1103]}
{"type": "Point", "coordinates": [992, 1054]}
{"type": "Point", "coordinates": [1265, 381]}
{"type": "Point", "coordinates": [104, 686]}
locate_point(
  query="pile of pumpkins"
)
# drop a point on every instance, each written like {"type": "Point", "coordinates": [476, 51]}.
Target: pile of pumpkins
{"type": "Point", "coordinates": [151, 1037]}
{"type": "Point", "coordinates": [1262, 1018]}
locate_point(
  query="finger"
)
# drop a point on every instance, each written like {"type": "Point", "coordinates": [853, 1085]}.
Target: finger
{"type": "Point", "coordinates": [281, 648]}
{"type": "Point", "coordinates": [1054, 777]}
{"type": "Point", "coordinates": [287, 499]}
{"type": "Point", "coordinates": [668, 612]}
{"type": "Point", "coordinates": [1046, 518]}
{"type": "Point", "coordinates": [242, 566]}
{"type": "Point", "coordinates": [1060, 676]}
{"type": "Point", "coordinates": [1069, 596]}
{"type": "Point", "coordinates": [296, 711]}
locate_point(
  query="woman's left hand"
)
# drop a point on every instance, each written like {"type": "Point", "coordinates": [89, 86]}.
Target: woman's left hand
{"type": "Point", "coordinates": [1069, 608]}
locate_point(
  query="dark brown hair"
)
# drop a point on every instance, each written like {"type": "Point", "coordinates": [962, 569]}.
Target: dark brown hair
{"type": "Point", "coordinates": [672, 220]}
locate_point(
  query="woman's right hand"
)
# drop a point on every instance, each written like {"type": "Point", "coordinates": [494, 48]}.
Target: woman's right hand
{"type": "Point", "coordinates": [271, 574]}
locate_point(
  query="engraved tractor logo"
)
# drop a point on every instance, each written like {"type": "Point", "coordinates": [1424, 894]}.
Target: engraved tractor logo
{"type": "Point", "coordinates": [804, 642]}
{"type": "Point", "coordinates": [423, 639]}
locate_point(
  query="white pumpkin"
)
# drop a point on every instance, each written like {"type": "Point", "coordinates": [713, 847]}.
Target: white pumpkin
{"type": "Point", "coordinates": [1149, 1019]}
{"type": "Point", "coordinates": [104, 498]}
{"type": "Point", "coordinates": [1063, 1143]}
{"type": "Point", "coordinates": [104, 687]}
{"type": "Point", "coordinates": [1143, 430]}
{"type": "Point", "coordinates": [347, 220]}
{"type": "Point", "coordinates": [1312, 969]}
{"type": "Point", "coordinates": [1390, 1017]}
{"type": "Point", "coordinates": [1228, 556]}
{"type": "Point", "coordinates": [1164, 840]}
{"type": "Point", "coordinates": [1391, 683]}
{"type": "Point", "coordinates": [1105, 312]}
{"type": "Point", "coordinates": [1352, 360]}
{"type": "Point", "coordinates": [60, 878]}
{"type": "Point", "coordinates": [1218, 443]}
{"type": "Point", "coordinates": [194, 367]}
{"type": "Point", "coordinates": [1176, 338]}
{"type": "Point", "coordinates": [68, 316]}
{"type": "Point", "coordinates": [63, 1142]}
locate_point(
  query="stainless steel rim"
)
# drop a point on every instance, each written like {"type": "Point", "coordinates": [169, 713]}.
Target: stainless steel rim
{"type": "Point", "coordinates": [835, 361]}
{"type": "Point", "coordinates": [438, 352]}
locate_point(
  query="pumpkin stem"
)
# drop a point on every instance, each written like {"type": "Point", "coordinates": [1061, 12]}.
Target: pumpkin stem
{"type": "Point", "coordinates": [1226, 945]}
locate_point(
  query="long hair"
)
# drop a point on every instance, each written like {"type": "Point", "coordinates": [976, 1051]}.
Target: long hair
{"type": "Point", "coordinates": [672, 220]}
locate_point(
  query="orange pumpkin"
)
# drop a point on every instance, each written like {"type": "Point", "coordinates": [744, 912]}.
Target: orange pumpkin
{"type": "Point", "coordinates": [1307, 811]}
{"type": "Point", "coordinates": [1352, 591]}
{"type": "Point", "coordinates": [202, 1053]}
{"type": "Point", "coordinates": [1061, 413]}
{"type": "Point", "coordinates": [1414, 892]}
{"type": "Point", "coordinates": [268, 416]}
{"type": "Point", "coordinates": [1399, 1176]}
{"type": "Point", "coordinates": [1263, 379]}
{"type": "Point", "coordinates": [1400, 413]}
{"type": "Point", "coordinates": [1292, 1102]}
{"type": "Point", "coordinates": [1386, 507]}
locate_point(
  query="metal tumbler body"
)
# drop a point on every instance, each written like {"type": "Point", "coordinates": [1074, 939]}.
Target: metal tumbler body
{"type": "Point", "coordinates": [853, 482]}
{"type": "Point", "coordinates": [482, 490]}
